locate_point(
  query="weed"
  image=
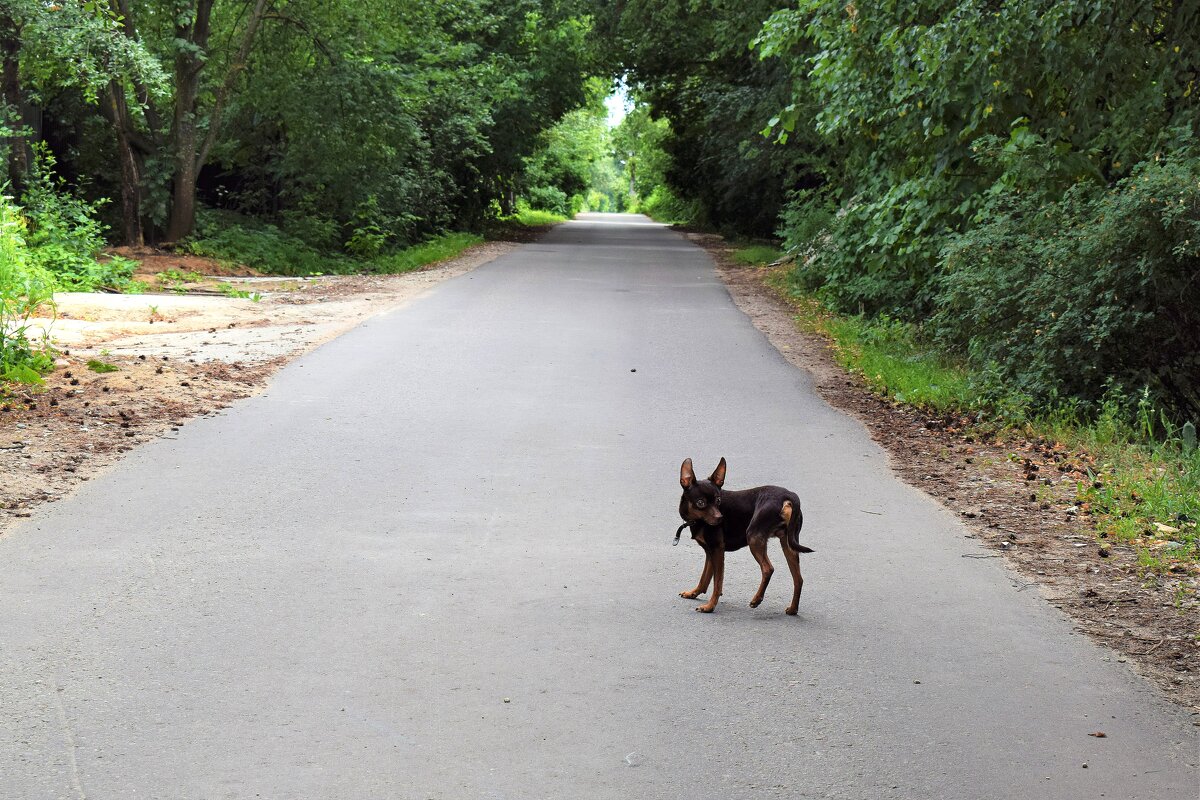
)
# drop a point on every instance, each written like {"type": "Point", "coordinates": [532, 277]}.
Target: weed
{"type": "Point", "coordinates": [99, 366]}
{"type": "Point", "coordinates": [421, 255]}
{"type": "Point", "coordinates": [757, 255]}
{"type": "Point", "coordinates": [24, 286]}
{"type": "Point", "coordinates": [533, 218]}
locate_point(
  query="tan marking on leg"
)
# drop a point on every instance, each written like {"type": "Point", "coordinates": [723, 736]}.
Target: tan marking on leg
{"type": "Point", "coordinates": [793, 562]}
{"type": "Point", "coordinates": [785, 513]}
{"type": "Point", "coordinates": [718, 559]}
{"type": "Point", "coordinates": [702, 584]}
{"type": "Point", "coordinates": [758, 549]}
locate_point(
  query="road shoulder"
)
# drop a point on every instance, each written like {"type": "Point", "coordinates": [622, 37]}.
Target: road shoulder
{"type": "Point", "coordinates": [1034, 525]}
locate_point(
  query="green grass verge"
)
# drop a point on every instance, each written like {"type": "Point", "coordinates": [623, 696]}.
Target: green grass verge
{"type": "Point", "coordinates": [757, 255]}
{"type": "Point", "coordinates": [1142, 491]}
{"type": "Point", "coordinates": [233, 239]}
{"type": "Point", "coordinates": [438, 249]}
{"type": "Point", "coordinates": [533, 218]}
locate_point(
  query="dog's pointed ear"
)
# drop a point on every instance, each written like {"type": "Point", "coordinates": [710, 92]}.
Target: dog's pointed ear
{"type": "Point", "coordinates": [718, 476]}
{"type": "Point", "coordinates": [686, 476]}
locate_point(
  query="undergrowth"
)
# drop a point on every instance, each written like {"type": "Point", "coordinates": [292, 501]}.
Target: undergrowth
{"type": "Point", "coordinates": [274, 250]}
{"type": "Point", "coordinates": [1143, 489]}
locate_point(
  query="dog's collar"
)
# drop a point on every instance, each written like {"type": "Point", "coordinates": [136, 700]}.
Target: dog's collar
{"type": "Point", "coordinates": [678, 532]}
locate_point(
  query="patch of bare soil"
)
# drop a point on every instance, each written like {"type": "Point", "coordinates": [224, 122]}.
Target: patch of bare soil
{"type": "Point", "coordinates": [176, 356]}
{"type": "Point", "coordinates": [1018, 497]}
{"type": "Point", "coordinates": [153, 261]}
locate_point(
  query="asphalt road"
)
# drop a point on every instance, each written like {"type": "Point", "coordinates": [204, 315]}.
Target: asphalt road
{"type": "Point", "coordinates": [434, 561]}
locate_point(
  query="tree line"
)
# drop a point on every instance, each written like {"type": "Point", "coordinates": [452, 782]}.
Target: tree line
{"type": "Point", "coordinates": [386, 119]}
{"type": "Point", "coordinates": [1020, 181]}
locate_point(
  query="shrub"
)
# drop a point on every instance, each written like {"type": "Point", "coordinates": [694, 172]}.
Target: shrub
{"type": "Point", "coordinates": [262, 246]}
{"type": "Point", "coordinates": [23, 287]}
{"type": "Point", "coordinates": [549, 198]}
{"type": "Point", "coordinates": [63, 235]}
{"type": "Point", "coordinates": [1062, 299]}
{"type": "Point", "coordinates": [664, 206]}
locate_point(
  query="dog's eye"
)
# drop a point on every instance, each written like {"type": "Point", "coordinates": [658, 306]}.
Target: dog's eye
{"type": "Point", "coordinates": [701, 503]}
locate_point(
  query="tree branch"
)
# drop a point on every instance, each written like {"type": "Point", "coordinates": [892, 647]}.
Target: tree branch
{"type": "Point", "coordinates": [235, 67]}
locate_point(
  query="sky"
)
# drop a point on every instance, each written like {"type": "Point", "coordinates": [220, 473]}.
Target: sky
{"type": "Point", "coordinates": [618, 105]}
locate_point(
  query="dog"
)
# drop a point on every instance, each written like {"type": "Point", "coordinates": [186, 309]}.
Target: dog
{"type": "Point", "coordinates": [724, 521]}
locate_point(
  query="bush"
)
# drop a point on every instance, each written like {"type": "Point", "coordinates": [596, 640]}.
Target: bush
{"type": "Point", "coordinates": [1063, 299]}
{"type": "Point", "coordinates": [64, 237]}
{"type": "Point", "coordinates": [241, 240]}
{"type": "Point", "coordinates": [549, 198]}
{"type": "Point", "coordinates": [23, 287]}
{"type": "Point", "coordinates": [664, 206]}
{"type": "Point", "coordinates": [440, 248]}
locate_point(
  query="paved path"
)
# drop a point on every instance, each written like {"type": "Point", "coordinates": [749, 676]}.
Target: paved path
{"type": "Point", "coordinates": [434, 561]}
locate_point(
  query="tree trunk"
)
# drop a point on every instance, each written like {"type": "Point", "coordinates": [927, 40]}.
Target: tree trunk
{"type": "Point", "coordinates": [131, 172]}
{"type": "Point", "coordinates": [188, 65]}
{"type": "Point", "coordinates": [190, 152]}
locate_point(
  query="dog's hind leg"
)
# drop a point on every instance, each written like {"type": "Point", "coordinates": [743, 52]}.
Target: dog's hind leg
{"type": "Point", "coordinates": [702, 585]}
{"type": "Point", "coordinates": [758, 548]}
{"type": "Point", "coordinates": [793, 562]}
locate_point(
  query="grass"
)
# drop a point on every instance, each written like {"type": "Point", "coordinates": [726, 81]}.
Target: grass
{"type": "Point", "coordinates": [533, 218]}
{"type": "Point", "coordinates": [758, 254]}
{"type": "Point", "coordinates": [1144, 486]}
{"type": "Point", "coordinates": [438, 249]}
{"type": "Point", "coordinates": [233, 239]}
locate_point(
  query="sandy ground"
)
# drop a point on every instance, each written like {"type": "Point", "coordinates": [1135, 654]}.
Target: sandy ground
{"type": "Point", "coordinates": [175, 356]}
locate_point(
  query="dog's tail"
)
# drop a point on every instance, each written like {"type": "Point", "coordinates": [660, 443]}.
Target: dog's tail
{"type": "Point", "coordinates": [793, 520]}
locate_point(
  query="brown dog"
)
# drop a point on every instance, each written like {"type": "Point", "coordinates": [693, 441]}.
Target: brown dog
{"type": "Point", "coordinates": [723, 521]}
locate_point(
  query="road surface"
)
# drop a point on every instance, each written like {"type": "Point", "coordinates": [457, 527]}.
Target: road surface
{"type": "Point", "coordinates": [433, 560]}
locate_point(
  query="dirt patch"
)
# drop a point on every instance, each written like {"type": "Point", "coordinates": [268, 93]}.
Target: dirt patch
{"type": "Point", "coordinates": [1016, 496]}
{"type": "Point", "coordinates": [170, 358]}
{"type": "Point", "coordinates": [153, 261]}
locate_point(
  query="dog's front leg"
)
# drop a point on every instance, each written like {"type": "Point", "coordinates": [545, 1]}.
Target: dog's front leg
{"type": "Point", "coordinates": [702, 584]}
{"type": "Point", "coordinates": [717, 558]}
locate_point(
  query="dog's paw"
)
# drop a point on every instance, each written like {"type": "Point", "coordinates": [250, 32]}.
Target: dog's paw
{"type": "Point", "coordinates": [756, 603]}
{"type": "Point", "coordinates": [791, 612]}
{"type": "Point", "coordinates": [705, 609]}
{"type": "Point", "coordinates": [689, 594]}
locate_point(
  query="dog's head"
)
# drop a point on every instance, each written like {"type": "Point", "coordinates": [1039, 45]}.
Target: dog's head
{"type": "Point", "coordinates": [701, 501]}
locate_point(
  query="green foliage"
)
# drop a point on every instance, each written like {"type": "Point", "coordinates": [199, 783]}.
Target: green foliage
{"type": "Point", "coordinates": [534, 218]}
{"type": "Point", "coordinates": [63, 236]}
{"type": "Point", "coordinates": [663, 205]}
{"type": "Point", "coordinates": [689, 62]}
{"type": "Point", "coordinates": [638, 146]}
{"type": "Point", "coordinates": [549, 199]}
{"type": "Point", "coordinates": [95, 365]}
{"type": "Point", "coordinates": [437, 249]}
{"type": "Point", "coordinates": [23, 288]}
{"type": "Point", "coordinates": [981, 167]}
{"type": "Point", "coordinates": [80, 45]}
{"type": "Point", "coordinates": [1063, 298]}
{"type": "Point", "coordinates": [757, 255]}
{"type": "Point", "coordinates": [241, 240]}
